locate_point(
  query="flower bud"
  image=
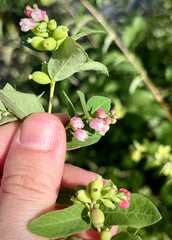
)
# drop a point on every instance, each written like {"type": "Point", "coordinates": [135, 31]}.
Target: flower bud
{"type": "Point", "coordinates": [76, 122]}
{"type": "Point", "coordinates": [83, 196]}
{"type": "Point", "coordinates": [124, 204]}
{"type": "Point", "coordinates": [49, 44]}
{"type": "Point", "coordinates": [81, 135]}
{"type": "Point", "coordinates": [52, 24]}
{"type": "Point", "coordinates": [100, 113]}
{"type": "Point", "coordinates": [105, 235]}
{"type": "Point", "coordinates": [40, 77]}
{"type": "Point", "coordinates": [95, 188]}
{"type": "Point", "coordinates": [97, 217]}
{"type": "Point", "coordinates": [36, 43]}
{"type": "Point", "coordinates": [60, 32]}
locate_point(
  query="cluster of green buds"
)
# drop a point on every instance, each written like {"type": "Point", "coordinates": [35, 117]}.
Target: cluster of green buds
{"type": "Point", "coordinates": [97, 194]}
{"type": "Point", "coordinates": [48, 35]}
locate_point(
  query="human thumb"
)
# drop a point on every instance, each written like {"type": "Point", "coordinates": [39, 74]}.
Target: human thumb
{"type": "Point", "coordinates": [32, 174]}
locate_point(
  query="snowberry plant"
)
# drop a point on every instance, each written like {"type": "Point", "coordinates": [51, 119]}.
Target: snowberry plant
{"type": "Point", "coordinates": [100, 205]}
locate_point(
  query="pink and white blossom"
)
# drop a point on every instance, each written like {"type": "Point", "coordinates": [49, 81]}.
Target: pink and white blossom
{"type": "Point", "coordinates": [27, 24]}
{"type": "Point", "coordinates": [38, 15]}
{"type": "Point", "coordinates": [100, 113]}
{"type": "Point", "coordinates": [81, 135]}
{"type": "Point", "coordinates": [99, 125]}
{"type": "Point", "coordinates": [124, 204]}
{"type": "Point", "coordinates": [76, 122]}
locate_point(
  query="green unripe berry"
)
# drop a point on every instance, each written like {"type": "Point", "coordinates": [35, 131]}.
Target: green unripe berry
{"type": "Point", "coordinates": [105, 235]}
{"type": "Point", "coordinates": [36, 43]}
{"type": "Point", "coordinates": [108, 203]}
{"type": "Point", "coordinates": [49, 44]}
{"type": "Point", "coordinates": [60, 32]}
{"type": "Point", "coordinates": [95, 188]}
{"type": "Point", "coordinates": [97, 218]}
{"type": "Point", "coordinates": [52, 24]}
{"type": "Point", "coordinates": [40, 29]}
{"type": "Point", "coordinates": [40, 77]}
{"type": "Point", "coordinates": [83, 196]}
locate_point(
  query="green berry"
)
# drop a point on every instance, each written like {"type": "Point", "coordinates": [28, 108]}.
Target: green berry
{"type": "Point", "coordinates": [95, 188]}
{"type": "Point", "coordinates": [40, 29]}
{"type": "Point", "coordinates": [60, 32]}
{"type": "Point", "coordinates": [40, 77]}
{"type": "Point", "coordinates": [49, 44]}
{"type": "Point", "coordinates": [97, 218]}
{"type": "Point", "coordinates": [36, 43]}
{"type": "Point", "coordinates": [52, 24]}
{"type": "Point", "coordinates": [108, 203]}
{"type": "Point", "coordinates": [83, 196]}
{"type": "Point", "coordinates": [105, 235]}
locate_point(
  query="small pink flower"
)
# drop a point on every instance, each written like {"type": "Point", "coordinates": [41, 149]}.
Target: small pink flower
{"type": "Point", "coordinates": [127, 193]}
{"type": "Point", "coordinates": [107, 121]}
{"type": "Point", "coordinates": [81, 135]}
{"type": "Point", "coordinates": [99, 125]}
{"type": "Point", "coordinates": [113, 112]}
{"type": "Point", "coordinates": [100, 113]}
{"type": "Point", "coordinates": [28, 11]}
{"type": "Point", "coordinates": [96, 124]}
{"type": "Point", "coordinates": [35, 5]}
{"type": "Point", "coordinates": [38, 15]}
{"type": "Point", "coordinates": [27, 24]}
{"type": "Point", "coordinates": [76, 122]}
{"type": "Point", "coordinates": [124, 204]}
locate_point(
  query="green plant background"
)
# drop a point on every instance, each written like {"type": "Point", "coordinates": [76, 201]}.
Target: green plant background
{"type": "Point", "coordinates": [137, 152]}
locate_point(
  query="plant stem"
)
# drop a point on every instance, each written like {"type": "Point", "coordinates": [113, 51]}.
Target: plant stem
{"type": "Point", "coordinates": [52, 87]}
{"type": "Point", "coordinates": [131, 58]}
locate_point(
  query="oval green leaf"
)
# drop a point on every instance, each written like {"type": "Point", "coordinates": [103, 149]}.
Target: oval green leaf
{"type": "Point", "coordinates": [97, 102]}
{"type": "Point", "coordinates": [63, 223]}
{"type": "Point", "coordinates": [141, 213]}
{"type": "Point", "coordinates": [66, 60]}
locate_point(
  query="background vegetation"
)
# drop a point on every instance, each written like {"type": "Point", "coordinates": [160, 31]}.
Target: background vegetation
{"type": "Point", "coordinates": [137, 152]}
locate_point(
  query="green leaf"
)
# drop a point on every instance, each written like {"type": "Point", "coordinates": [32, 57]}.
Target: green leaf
{"type": "Point", "coordinates": [94, 65]}
{"type": "Point", "coordinates": [62, 223]}
{"type": "Point", "coordinates": [2, 107]}
{"type": "Point", "coordinates": [7, 119]}
{"type": "Point", "coordinates": [97, 102]}
{"type": "Point", "coordinates": [86, 32]}
{"type": "Point", "coordinates": [83, 104]}
{"type": "Point", "coordinates": [71, 108]}
{"type": "Point", "coordinates": [64, 196]}
{"type": "Point", "coordinates": [66, 60]}
{"type": "Point", "coordinates": [73, 143]}
{"type": "Point", "coordinates": [141, 213]}
{"type": "Point", "coordinates": [135, 32]}
{"type": "Point", "coordinates": [18, 103]}
{"type": "Point", "coordinates": [126, 236]}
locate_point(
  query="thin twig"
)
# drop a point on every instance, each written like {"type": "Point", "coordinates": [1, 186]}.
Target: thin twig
{"type": "Point", "coordinates": [131, 58]}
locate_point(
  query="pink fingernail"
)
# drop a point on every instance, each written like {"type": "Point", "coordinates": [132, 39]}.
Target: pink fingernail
{"type": "Point", "coordinates": [38, 133]}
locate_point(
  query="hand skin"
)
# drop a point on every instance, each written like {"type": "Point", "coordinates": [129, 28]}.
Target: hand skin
{"type": "Point", "coordinates": [32, 156]}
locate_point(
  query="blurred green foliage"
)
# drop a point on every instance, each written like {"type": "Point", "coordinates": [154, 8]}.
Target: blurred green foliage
{"type": "Point", "coordinates": [137, 152]}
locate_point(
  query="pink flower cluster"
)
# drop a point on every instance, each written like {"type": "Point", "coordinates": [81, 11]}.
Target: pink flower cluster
{"type": "Point", "coordinates": [100, 123]}
{"type": "Point", "coordinates": [125, 203]}
{"type": "Point", "coordinates": [35, 15]}
{"type": "Point", "coordinates": [103, 120]}
{"type": "Point", "coordinates": [77, 124]}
